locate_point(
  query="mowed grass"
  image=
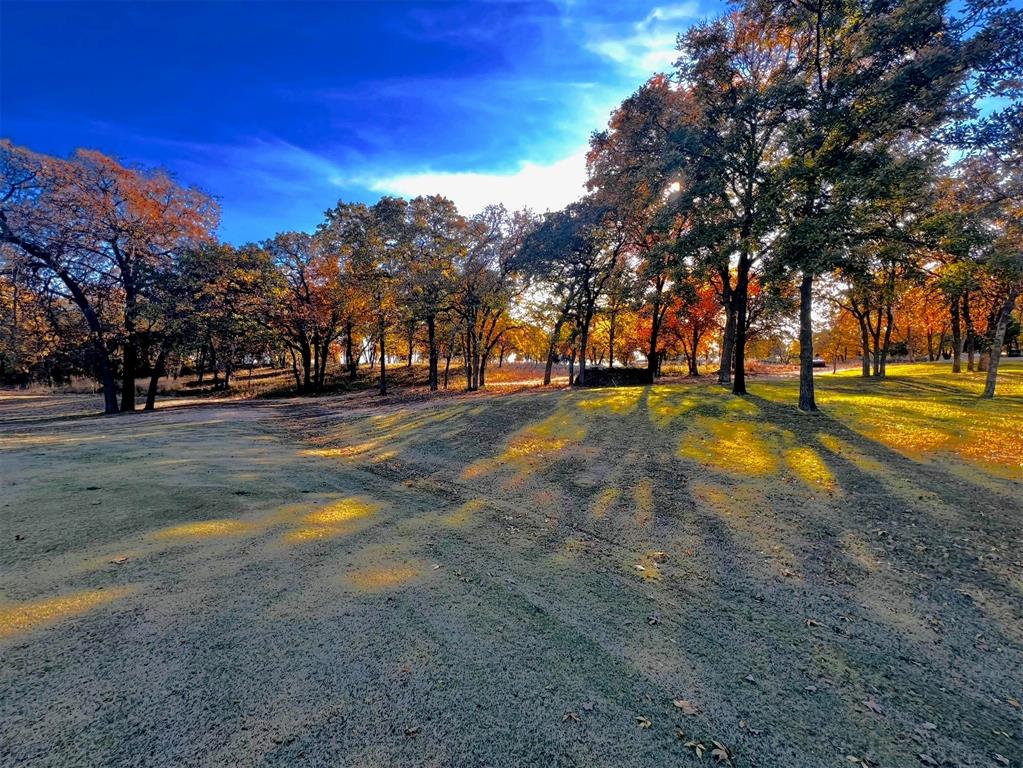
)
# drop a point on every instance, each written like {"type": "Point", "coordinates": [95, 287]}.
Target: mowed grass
{"type": "Point", "coordinates": [515, 579]}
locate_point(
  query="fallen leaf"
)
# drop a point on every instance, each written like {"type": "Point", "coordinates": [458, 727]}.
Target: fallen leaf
{"type": "Point", "coordinates": [571, 716]}
{"type": "Point", "coordinates": [659, 557]}
{"type": "Point", "coordinates": [644, 722]}
{"type": "Point", "coordinates": [697, 747]}
{"type": "Point", "coordinates": [720, 753]}
{"type": "Point", "coordinates": [687, 707]}
{"type": "Point", "coordinates": [750, 679]}
{"type": "Point", "coordinates": [873, 706]}
{"type": "Point", "coordinates": [1014, 703]}
{"type": "Point", "coordinates": [927, 759]}
{"type": "Point", "coordinates": [588, 706]}
{"type": "Point", "coordinates": [812, 623]}
{"type": "Point", "coordinates": [119, 560]}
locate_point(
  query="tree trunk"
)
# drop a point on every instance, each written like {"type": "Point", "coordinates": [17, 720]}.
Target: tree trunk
{"type": "Point", "coordinates": [995, 355]}
{"type": "Point", "coordinates": [128, 376]}
{"type": "Point", "coordinates": [550, 365]}
{"type": "Point", "coordinates": [886, 345]}
{"type": "Point", "coordinates": [807, 402]}
{"type": "Point", "coordinates": [971, 335]}
{"type": "Point", "coordinates": [727, 346]}
{"type": "Point", "coordinates": [431, 332]}
{"type": "Point", "coordinates": [350, 359]}
{"type": "Point", "coordinates": [655, 327]}
{"type": "Point", "coordinates": [739, 300]}
{"type": "Point", "coordinates": [154, 378]}
{"type": "Point", "coordinates": [307, 364]}
{"type": "Point", "coordinates": [957, 337]}
{"type": "Point", "coordinates": [294, 369]}
{"type": "Point", "coordinates": [383, 361]}
{"type": "Point", "coordinates": [201, 364]}
{"type": "Point", "coordinates": [611, 340]}
{"type": "Point", "coordinates": [584, 338]}
{"type": "Point", "coordinates": [865, 344]}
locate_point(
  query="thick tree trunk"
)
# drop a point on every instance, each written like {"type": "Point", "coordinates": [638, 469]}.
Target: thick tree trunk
{"type": "Point", "coordinates": [307, 364]}
{"type": "Point", "coordinates": [865, 343]}
{"type": "Point", "coordinates": [995, 355]}
{"type": "Point", "coordinates": [159, 368]}
{"type": "Point", "coordinates": [887, 344]}
{"type": "Point", "coordinates": [350, 358]}
{"type": "Point", "coordinates": [584, 339]}
{"type": "Point", "coordinates": [727, 346]}
{"type": "Point", "coordinates": [739, 299]}
{"type": "Point", "coordinates": [549, 366]}
{"type": "Point", "coordinates": [128, 375]}
{"type": "Point", "coordinates": [106, 374]}
{"type": "Point", "coordinates": [807, 402]}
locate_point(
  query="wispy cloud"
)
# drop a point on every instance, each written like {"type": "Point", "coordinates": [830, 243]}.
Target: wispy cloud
{"type": "Point", "coordinates": [644, 46]}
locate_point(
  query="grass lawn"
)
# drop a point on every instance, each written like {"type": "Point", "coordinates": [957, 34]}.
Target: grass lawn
{"type": "Point", "coordinates": [591, 578]}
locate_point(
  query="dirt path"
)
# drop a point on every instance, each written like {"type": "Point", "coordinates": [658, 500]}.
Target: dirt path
{"type": "Point", "coordinates": [501, 581]}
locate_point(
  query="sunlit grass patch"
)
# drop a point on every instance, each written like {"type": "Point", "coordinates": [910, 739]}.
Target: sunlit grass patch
{"type": "Point", "coordinates": [377, 578]}
{"type": "Point", "coordinates": [204, 529]}
{"type": "Point", "coordinates": [23, 617]}
{"type": "Point", "coordinates": [536, 442]}
{"type": "Point", "coordinates": [604, 501]}
{"type": "Point", "coordinates": [643, 496]}
{"type": "Point", "coordinates": [334, 519]}
{"type": "Point", "coordinates": [729, 445]}
{"type": "Point", "coordinates": [808, 466]}
{"type": "Point", "coordinates": [921, 410]}
{"type": "Point", "coordinates": [464, 513]}
{"type": "Point", "coordinates": [615, 400]}
{"type": "Point", "coordinates": [665, 404]}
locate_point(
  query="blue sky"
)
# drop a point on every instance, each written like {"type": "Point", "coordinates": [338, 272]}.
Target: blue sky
{"type": "Point", "coordinates": [281, 109]}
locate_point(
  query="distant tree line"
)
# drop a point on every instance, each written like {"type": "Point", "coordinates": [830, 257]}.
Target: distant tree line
{"type": "Point", "coordinates": [814, 172]}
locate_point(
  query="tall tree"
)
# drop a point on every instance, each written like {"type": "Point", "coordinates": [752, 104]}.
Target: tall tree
{"type": "Point", "coordinates": [104, 232]}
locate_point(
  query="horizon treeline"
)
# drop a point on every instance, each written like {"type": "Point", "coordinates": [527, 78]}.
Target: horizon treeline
{"type": "Point", "coordinates": [845, 176]}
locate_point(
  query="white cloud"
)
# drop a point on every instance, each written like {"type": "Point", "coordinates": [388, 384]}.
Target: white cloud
{"type": "Point", "coordinates": [672, 13]}
{"type": "Point", "coordinates": [536, 186]}
{"type": "Point", "coordinates": [649, 45]}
